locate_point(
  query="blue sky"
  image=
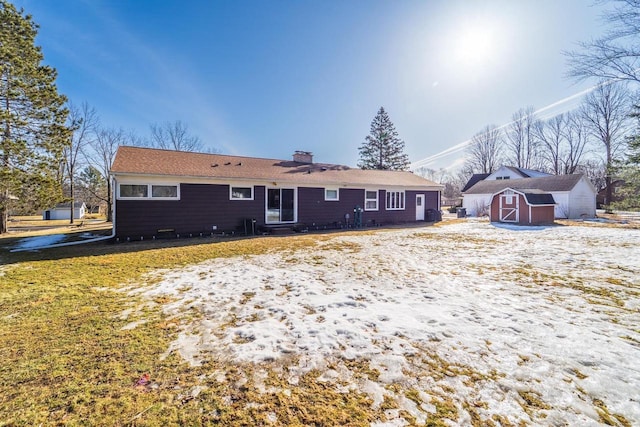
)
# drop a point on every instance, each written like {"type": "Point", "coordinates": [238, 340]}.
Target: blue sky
{"type": "Point", "coordinates": [266, 78]}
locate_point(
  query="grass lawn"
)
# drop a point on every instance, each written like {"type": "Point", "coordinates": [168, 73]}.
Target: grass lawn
{"type": "Point", "coordinates": [67, 360]}
{"type": "Point", "coordinates": [70, 356]}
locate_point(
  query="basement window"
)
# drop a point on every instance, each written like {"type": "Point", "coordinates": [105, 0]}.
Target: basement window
{"type": "Point", "coordinates": [331, 194]}
{"type": "Point", "coordinates": [241, 193]}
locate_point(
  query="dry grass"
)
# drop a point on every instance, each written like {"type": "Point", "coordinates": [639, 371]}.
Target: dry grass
{"type": "Point", "coordinates": [66, 358]}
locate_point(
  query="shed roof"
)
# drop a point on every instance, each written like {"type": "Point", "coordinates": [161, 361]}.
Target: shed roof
{"type": "Point", "coordinates": [545, 183]}
{"type": "Point", "coordinates": [533, 196]}
{"type": "Point", "coordinates": [539, 198]}
{"type": "Point", "coordinates": [157, 162]}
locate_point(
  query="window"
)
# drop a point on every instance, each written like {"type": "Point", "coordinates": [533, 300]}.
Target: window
{"type": "Point", "coordinates": [167, 191]}
{"type": "Point", "coordinates": [395, 200]}
{"type": "Point", "coordinates": [241, 193]}
{"type": "Point", "coordinates": [502, 177]}
{"type": "Point", "coordinates": [149, 191]}
{"type": "Point", "coordinates": [134, 190]}
{"type": "Point", "coordinates": [371, 200]}
{"type": "Point", "coordinates": [331, 194]}
{"type": "Point", "coordinates": [508, 197]}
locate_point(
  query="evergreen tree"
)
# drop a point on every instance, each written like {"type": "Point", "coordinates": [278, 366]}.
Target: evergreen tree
{"type": "Point", "coordinates": [383, 149]}
{"type": "Point", "coordinates": [630, 171]}
{"type": "Point", "coordinates": [32, 116]}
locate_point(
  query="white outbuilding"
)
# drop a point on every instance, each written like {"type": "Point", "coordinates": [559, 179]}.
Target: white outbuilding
{"type": "Point", "coordinates": [63, 211]}
{"type": "Point", "coordinates": [574, 195]}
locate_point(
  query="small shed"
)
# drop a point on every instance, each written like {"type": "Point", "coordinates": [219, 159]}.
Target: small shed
{"type": "Point", "coordinates": [522, 207]}
{"type": "Point", "coordinates": [63, 211]}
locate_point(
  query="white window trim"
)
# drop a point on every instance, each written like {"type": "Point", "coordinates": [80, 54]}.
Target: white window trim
{"type": "Point", "coordinates": [336, 189]}
{"type": "Point", "coordinates": [150, 190]}
{"type": "Point", "coordinates": [231, 187]}
{"type": "Point", "coordinates": [387, 199]}
{"type": "Point", "coordinates": [377, 200]}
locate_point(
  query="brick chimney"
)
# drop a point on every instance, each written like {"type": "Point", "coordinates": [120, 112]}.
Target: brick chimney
{"type": "Point", "coordinates": [303, 157]}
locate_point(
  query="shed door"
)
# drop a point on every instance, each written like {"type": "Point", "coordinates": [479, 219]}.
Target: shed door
{"type": "Point", "coordinates": [419, 207]}
{"type": "Point", "coordinates": [509, 204]}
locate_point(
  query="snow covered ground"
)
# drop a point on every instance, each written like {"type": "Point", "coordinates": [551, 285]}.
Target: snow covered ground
{"type": "Point", "coordinates": [39, 241]}
{"type": "Point", "coordinates": [539, 325]}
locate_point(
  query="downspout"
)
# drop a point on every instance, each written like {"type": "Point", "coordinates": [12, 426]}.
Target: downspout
{"type": "Point", "coordinates": [82, 242]}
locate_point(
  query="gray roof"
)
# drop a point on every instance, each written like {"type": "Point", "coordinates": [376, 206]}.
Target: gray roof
{"type": "Point", "coordinates": [527, 173]}
{"type": "Point", "coordinates": [545, 183]}
{"type": "Point", "coordinates": [475, 178]}
{"type": "Point", "coordinates": [538, 198]}
{"type": "Point", "coordinates": [67, 205]}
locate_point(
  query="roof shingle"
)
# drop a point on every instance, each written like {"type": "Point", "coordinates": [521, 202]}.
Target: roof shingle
{"type": "Point", "coordinates": [546, 183]}
{"type": "Point", "coordinates": [157, 162]}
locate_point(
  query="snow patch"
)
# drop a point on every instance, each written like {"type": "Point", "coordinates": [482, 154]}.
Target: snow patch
{"type": "Point", "coordinates": [496, 315]}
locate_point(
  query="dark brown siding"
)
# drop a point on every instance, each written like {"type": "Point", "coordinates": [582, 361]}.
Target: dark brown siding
{"type": "Point", "coordinates": [202, 206]}
{"type": "Point", "coordinates": [314, 211]}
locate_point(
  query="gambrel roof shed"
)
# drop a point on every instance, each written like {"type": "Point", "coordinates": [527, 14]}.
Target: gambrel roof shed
{"type": "Point", "coordinates": [524, 207]}
{"type": "Point", "coordinates": [574, 194]}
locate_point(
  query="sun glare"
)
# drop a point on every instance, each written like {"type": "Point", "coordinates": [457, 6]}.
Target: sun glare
{"type": "Point", "coordinates": [474, 45]}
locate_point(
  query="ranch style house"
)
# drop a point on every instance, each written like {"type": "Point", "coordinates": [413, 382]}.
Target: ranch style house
{"type": "Point", "coordinates": [168, 193]}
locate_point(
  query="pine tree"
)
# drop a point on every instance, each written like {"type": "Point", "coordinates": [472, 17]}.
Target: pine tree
{"type": "Point", "coordinates": [32, 117]}
{"type": "Point", "coordinates": [629, 193]}
{"type": "Point", "coordinates": [383, 149]}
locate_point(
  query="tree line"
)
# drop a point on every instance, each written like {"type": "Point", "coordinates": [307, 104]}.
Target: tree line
{"type": "Point", "coordinates": [601, 138]}
{"type": "Point", "coordinates": [52, 150]}
{"type": "Point", "coordinates": [590, 139]}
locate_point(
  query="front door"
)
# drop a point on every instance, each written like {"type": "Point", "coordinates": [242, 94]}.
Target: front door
{"type": "Point", "coordinates": [509, 204]}
{"type": "Point", "coordinates": [280, 205]}
{"type": "Point", "coordinates": [419, 207]}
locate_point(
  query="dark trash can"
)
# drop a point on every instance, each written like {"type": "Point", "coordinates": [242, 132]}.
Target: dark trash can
{"type": "Point", "coordinates": [431, 215]}
{"type": "Point", "coordinates": [462, 212]}
{"type": "Point", "coordinates": [249, 226]}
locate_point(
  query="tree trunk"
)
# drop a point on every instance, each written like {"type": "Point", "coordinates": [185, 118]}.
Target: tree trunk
{"type": "Point", "coordinates": [4, 213]}
{"type": "Point", "coordinates": [72, 199]}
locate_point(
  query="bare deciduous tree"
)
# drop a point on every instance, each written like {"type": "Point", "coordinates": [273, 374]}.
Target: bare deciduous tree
{"type": "Point", "coordinates": [104, 148]}
{"type": "Point", "coordinates": [577, 138]}
{"type": "Point", "coordinates": [484, 152]}
{"type": "Point", "coordinates": [616, 55]}
{"type": "Point", "coordinates": [432, 174]}
{"type": "Point", "coordinates": [82, 123]}
{"type": "Point", "coordinates": [174, 136]}
{"type": "Point", "coordinates": [521, 139]}
{"type": "Point", "coordinates": [550, 133]}
{"type": "Point", "coordinates": [606, 114]}
{"type": "Point", "coordinates": [595, 170]}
